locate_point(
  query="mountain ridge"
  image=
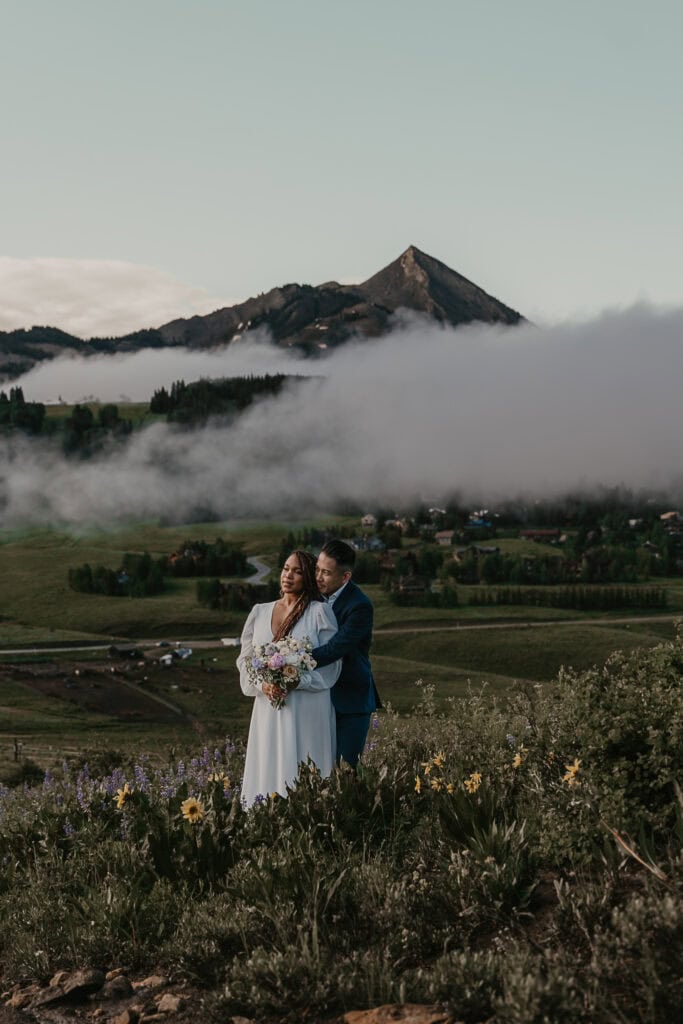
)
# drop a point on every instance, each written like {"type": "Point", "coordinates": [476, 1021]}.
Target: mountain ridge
{"type": "Point", "coordinates": [313, 318]}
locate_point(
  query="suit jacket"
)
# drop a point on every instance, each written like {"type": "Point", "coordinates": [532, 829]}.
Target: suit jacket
{"type": "Point", "coordinates": [355, 691]}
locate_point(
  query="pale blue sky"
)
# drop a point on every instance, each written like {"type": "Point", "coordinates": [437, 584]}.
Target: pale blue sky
{"type": "Point", "coordinates": [532, 145]}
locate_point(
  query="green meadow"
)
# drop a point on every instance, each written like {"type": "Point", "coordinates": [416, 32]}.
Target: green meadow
{"type": "Point", "coordinates": [453, 649]}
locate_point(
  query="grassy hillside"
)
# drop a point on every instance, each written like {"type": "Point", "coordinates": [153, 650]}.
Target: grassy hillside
{"type": "Point", "coordinates": [514, 863]}
{"type": "Point", "coordinates": [451, 648]}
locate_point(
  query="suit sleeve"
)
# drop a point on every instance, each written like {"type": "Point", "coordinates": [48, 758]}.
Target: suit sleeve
{"type": "Point", "coordinates": [356, 626]}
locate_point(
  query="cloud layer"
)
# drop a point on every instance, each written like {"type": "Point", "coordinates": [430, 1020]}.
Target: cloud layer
{"type": "Point", "coordinates": [491, 412]}
{"type": "Point", "coordinates": [95, 298]}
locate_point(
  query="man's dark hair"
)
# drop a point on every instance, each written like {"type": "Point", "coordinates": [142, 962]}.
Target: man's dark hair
{"type": "Point", "coordinates": [343, 554]}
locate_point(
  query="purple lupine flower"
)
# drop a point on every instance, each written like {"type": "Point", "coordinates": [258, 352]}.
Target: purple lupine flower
{"type": "Point", "coordinates": [115, 781]}
{"type": "Point", "coordinates": [229, 747]}
{"type": "Point", "coordinates": [510, 739]}
{"type": "Point", "coordinates": [180, 771]}
{"type": "Point", "coordinates": [141, 780]}
{"type": "Point", "coordinates": [48, 779]}
{"type": "Point", "coordinates": [375, 722]}
{"type": "Point", "coordinates": [81, 797]}
{"type": "Point", "coordinates": [68, 828]}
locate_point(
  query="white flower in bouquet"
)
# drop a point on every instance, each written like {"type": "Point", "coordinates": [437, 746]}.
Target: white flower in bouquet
{"type": "Point", "coordinates": [281, 662]}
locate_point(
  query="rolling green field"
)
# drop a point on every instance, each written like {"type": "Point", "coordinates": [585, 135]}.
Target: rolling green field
{"type": "Point", "coordinates": [450, 648]}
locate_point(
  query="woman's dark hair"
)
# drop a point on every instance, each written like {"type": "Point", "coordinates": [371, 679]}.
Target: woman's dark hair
{"type": "Point", "coordinates": [343, 554]}
{"type": "Point", "coordinates": [308, 594]}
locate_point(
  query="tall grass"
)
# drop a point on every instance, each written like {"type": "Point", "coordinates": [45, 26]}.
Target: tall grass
{"type": "Point", "coordinates": [516, 861]}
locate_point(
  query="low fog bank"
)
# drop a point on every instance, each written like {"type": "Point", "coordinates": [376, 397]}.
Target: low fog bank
{"type": "Point", "coordinates": [135, 377]}
{"type": "Point", "coordinates": [487, 411]}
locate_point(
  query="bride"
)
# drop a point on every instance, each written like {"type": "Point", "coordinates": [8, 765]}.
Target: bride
{"type": "Point", "coordinates": [281, 739]}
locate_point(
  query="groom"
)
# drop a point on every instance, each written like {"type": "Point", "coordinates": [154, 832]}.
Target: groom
{"type": "Point", "coordinates": [354, 695]}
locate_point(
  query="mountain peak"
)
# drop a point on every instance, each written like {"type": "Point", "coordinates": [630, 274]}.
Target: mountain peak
{"type": "Point", "coordinates": [418, 281]}
{"type": "Point", "coordinates": [312, 319]}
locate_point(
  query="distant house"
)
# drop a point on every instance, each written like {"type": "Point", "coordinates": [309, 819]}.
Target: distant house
{"type": "Point", "coordinates": [444, 537]}
{"type": "Point", "coordinates": [672, 522]}
{"type": "Point", "coordinates": [366, 543]}
{"type": "Point", "coordinates": [475, 551]}
{"type": "Point", "coordinates": [479, 519]}
{"type": "Point", "coordinates": [398, 524]}
{"type": "Point", "coordinates": [369, 521]}
{"type": "Point", "coordinates": [541, 536]}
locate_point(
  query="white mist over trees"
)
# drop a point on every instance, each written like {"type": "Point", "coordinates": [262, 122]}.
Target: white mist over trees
{"type": "Point", "coordinates": [427, 410]}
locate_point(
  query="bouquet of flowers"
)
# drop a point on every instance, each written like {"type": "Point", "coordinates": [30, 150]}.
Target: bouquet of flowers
{"type": "Point", "coordinates": [281, 662]}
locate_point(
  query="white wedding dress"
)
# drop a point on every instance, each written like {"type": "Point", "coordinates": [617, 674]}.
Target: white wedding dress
{"type": "Point", "coordinates": [280, 740]}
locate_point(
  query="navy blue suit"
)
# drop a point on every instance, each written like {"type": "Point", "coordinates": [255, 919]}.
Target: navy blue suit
{"type": "Point", "coordinates": [354, 695]}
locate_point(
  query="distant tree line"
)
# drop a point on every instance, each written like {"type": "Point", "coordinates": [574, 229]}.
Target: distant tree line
{"type": "Point", "coordinates": [196, 402]}
{"type": "Point", "coordinates": [582, 598]}
{"type": "Point", "coordinates": [234, 597]}
{"type": "Point", "coordinates": [140, 575]}
{"type": "Point", "coordinates": [589, 598]}
{"type": "Point", "coordinates": [201, 558]}
{"type": "Point", "coordinates": [18, 414]}
{"type": "Point", "coordinates": [310, 538]}
{"type": "Point", "coordinates": [83, 432]}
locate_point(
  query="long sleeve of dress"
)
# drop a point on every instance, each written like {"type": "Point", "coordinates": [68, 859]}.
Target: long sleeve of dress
{"type": "Point", "coordinates": [322, 678]}
{"type": "Point", "coordinates": [248, 687]}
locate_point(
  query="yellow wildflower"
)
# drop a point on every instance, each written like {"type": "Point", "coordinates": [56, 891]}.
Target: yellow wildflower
{"type": "Point", "coordinates": [517, 760]}
{"type": "Point", "coordinates": [572, 771]}
{"type": "Point", "coordinates": [418, 784]}
{"type": "Point", "coordinates": [216, 777]}
{"type": "Point", "coordinates": [427, 765]}
{"type": "Point", "coordinates": [450, 788]}
{"type": "Point", "coordinates": [274, 796]}
{"type": "Point", "coordinates": [192, 809]}
{"type": "Point", "coordinates": [437, 784]}
{"type": "Point", "coordinates": [122, 795]}
{"type": "Point", "coordinates": [473, 783]}
{"type": "Point", "coordinates": [439, 760]}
